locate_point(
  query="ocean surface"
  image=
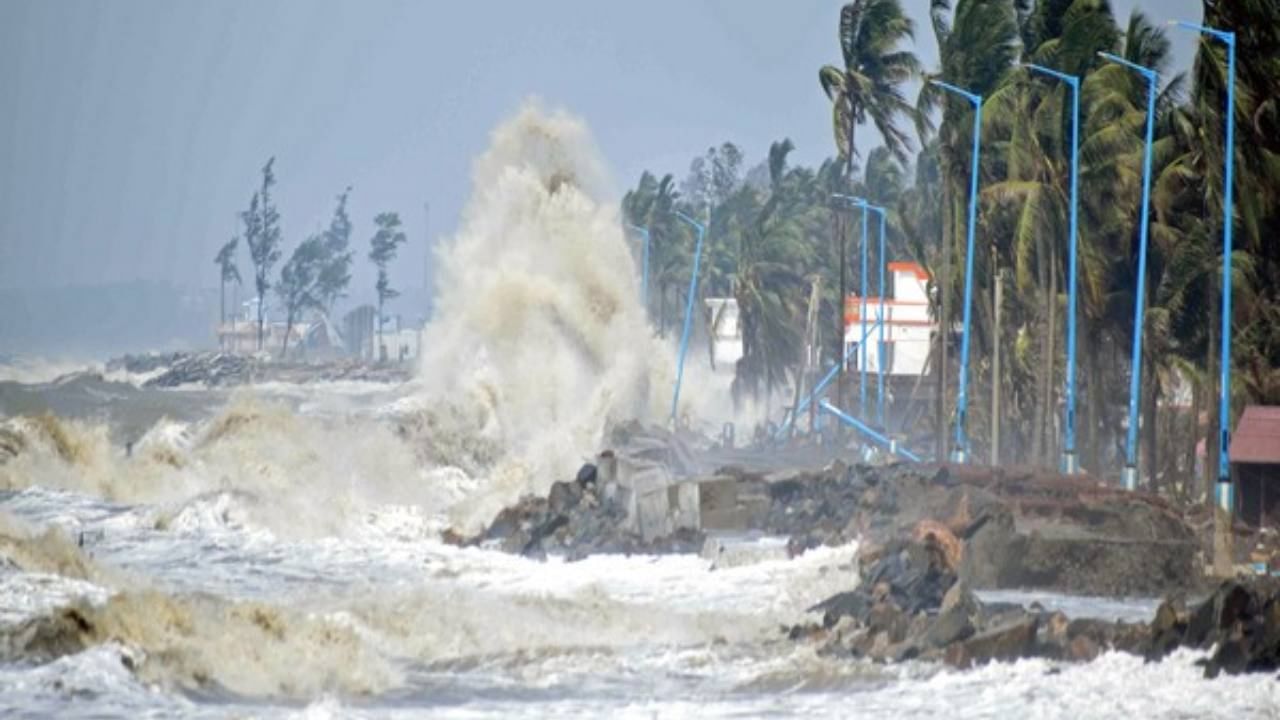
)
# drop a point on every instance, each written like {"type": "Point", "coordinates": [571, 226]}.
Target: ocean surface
{"type": "Point", "coordinates": [229, 571]}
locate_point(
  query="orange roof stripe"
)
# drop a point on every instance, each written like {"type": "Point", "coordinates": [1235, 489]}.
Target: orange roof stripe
{"type": "Point", "coordinates": [911, 267]}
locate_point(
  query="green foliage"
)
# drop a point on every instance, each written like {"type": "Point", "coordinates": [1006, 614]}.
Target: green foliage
{"type": "Point", "coordinates": [298, 288]}
{"type": "Point", "coordinates": [382, 250]}
{"type": "Point", "coordinates": [262, 234]}
{"type": "Point", "coordinates": [774, 232]}
{"type": "Point", "coordinates": [335, 268]}
{"type": "Point", "coordinates": [868, 83]}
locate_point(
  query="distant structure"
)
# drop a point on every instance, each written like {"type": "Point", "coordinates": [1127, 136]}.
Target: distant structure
{"type": "Point", "coordinates": [726, 334]}
{"type": "Point", "coordinates": [318, 337]}
{"type": "Point", "coordinates": [908, 329]}
{"type": "Point", "coordinates": [239, 335]}
{"type": "Point", "coordinates": [1255, 465]}
{"type": "Point", "coordinates": [400, 342]}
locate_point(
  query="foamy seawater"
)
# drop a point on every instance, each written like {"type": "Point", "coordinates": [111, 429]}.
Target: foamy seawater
{"type": "Point", "coordinates": [386, 624]}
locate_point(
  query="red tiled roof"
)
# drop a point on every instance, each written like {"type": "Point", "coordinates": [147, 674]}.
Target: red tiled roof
{"type": "Point", "coordinates": [1256, 440]}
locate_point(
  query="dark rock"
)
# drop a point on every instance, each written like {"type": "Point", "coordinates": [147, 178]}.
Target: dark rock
{"type": "Point", "coordinates": [854, 604]}
{"type": "Point", "coordinates": [1167, 630]}
{"type": "Point", "coordinates": [586, 475]}
{"type": "Point", "coordinates": [1006, 642]}
{"type": "Point", "coordinates": [564, 496]}
{"type": "Point", "coordinates": [1082, 649]}
{"type": "Point", "coordinates": [950, 626]}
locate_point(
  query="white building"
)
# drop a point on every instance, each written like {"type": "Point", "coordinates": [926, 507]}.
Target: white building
{"type": "Point", "coordinates": [907, 325]}
{"type": "Point", "coordinates": [726, 333]}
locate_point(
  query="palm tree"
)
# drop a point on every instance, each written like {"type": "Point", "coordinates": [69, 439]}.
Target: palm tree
{"type": "Point", "coordinates": [977, 45]}
{"type": "Point", "coordinates": [769, 281]}
{"type": "Point", "coordinates": [868, 85]}
{"type": "Point", "coordinates": [228, 272]}
{"type": "Point", "coordinates": [650, 206]}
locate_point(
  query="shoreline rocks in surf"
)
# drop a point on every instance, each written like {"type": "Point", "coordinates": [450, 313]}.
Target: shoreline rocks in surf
{"type": "Point", "coordinates": [912, 604]}
{"type": "Point", "coordinates": [217, 369]}
{"type": "Point", "coordinates": [577, 518]}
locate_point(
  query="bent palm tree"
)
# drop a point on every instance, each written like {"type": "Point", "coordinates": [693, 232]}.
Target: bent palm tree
{"type": "Point", "coordinates": [868, 86]}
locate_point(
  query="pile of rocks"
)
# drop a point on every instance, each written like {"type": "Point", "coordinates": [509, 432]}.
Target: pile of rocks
{"type": "Point", "coordinates": [208, 369]}
{"type": "Point", "coordinates": [911, 603]}
{"type": "Point", "coordinates": [215, 369]}
{"type": "Point", "coordinates": [146, 362]}
{"type": "Point", "coordinates": [576, 519]}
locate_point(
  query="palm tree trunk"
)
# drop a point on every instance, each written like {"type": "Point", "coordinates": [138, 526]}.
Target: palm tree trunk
{"type": "Point", "coordinates": [1051, 388]}
{"type": "Point", "coordinates": [222, 310]}
{"type": "Point", "coordinates": [1189, 479]}
{"type": "Point", "coordinates": [1149, 431]}
{"type": "Point", "coordinates": [1093, 397]}
{"type": "Point", "coordinates": [944, 323]}
{"type": "Point", "coordinates": [1213, 434]}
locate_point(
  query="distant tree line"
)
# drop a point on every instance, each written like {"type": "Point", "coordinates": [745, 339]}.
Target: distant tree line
{"type": "Point", "coordinates": [773, 229]}
{"type": "Point", "coordinates": [318, 271]}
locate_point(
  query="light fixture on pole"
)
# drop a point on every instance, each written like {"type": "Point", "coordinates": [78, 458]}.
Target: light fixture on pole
{"type": "Point", "coordinates": [688, 313]}
{"type": "Point", "coordinates": [864, 206]}
{"type": "Point", "coordinates": [1070, 462]}
{"type": "Point", "coordinates": [880, 321]}
{"type": "Point", "coordinates": [961, 452]}
{"type": "Point", "coordinates": [1129, 476]}
{"type": "Point", "coordinates": [1224, 492]}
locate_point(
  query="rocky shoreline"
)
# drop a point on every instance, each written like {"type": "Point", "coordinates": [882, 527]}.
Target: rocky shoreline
{"type": "Point", "coordinates": [216, 369]}
{"type": "Point", "coordinates": [929, 537]}
{"type": "Point", "coordinates": [911, 604]}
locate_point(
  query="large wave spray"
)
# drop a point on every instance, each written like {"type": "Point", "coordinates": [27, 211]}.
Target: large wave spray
{"type": "Point", "coordinates": [539, 327]}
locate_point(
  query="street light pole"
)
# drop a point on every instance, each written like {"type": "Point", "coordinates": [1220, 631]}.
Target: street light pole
{"type": "Point", "coordinates": [1070, 462]}
{"type": "Point", "coordinates": [688, 313]}
{"type": "Point", "coordinates": [880, 340]}
{"type": "Point", "coordinates": [961, 452]}
{"type": "Point", "coordinates": [865, 206]}
{"type": "Point", "coordinates": [862, 314]}
{"type": "Point", "coordinates": [1224, 493]}
{"type": "Point", "coordinates": [644, 260]}
{"type": "Point", "coordinates": [1129, 476]}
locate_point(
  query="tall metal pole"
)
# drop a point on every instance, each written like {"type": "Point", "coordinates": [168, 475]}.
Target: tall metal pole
{"type": "Point", "coordinates": [961, 451]}
{"type": "Point", "coordinates": [1224, 492]}
{"type": "Point", "coordinates": [644, 260]}
{"type": "Point", "coordinates": [1129, 476]}
{"type": "Point", "coordinates": [862, 313]}
{"type": "Point", "coordinates": [880, 342]}
{"type": "Point", "coordinates": [1070, 461]}
{"type": "Point", "coordinates": [688, 313]}
{"type": "Point", "coordinates": [880, 211]}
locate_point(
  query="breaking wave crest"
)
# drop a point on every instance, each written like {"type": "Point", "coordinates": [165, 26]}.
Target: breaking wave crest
{"type": "Point", "coordinates": [269, 468]}
{"type": "Point", "coordinates": [540, 339]}
{"type": "Point", "coordinates": [201, 642]}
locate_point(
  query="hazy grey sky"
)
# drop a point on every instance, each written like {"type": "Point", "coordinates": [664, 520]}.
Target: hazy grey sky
{"type": "Point", "coordinates": [132, 131]}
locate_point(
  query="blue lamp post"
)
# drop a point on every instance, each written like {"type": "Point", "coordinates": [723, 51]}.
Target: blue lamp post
{"type": "Point", "coordinates": [1129, 476]}
{"type": "Point", "coordinates": [862, 345]}
{"type": "Point", "coordinates": [1224, 492]}
{"type": "Point", "coordinates": [644, 260]}
{"type": "Point", "coordinates": [960, 453]}
{"type": "Point", "coordinates": [688, 311]}
{"type": "Point", "coordinates": [1070, 463]}
{"type": "Point", "coordinates": [880, 211]}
